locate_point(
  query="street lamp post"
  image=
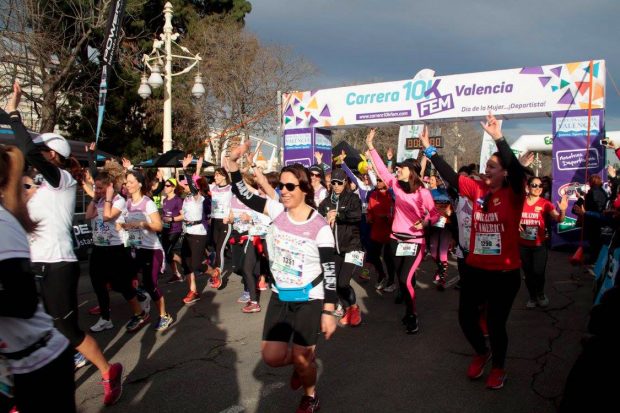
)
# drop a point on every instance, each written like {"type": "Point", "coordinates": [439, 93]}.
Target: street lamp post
{"type": "Point", "coordinates": [155, 60]}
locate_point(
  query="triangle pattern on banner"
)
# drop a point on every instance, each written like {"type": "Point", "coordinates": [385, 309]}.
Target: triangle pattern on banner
{"type": "Point", "coordinates": [289, 111]}
{"type": "Point", "coordinates": [583, 87]}
{"type": "Point", "coordinates": [595, 69]}
{"type": "Point", "coordinates": [572, 66]}
{"type": "Point", "coordinates": [325, 112]}
{"type": "Point", "coordinates": [312, 121]}
{"type": "Point", "coordinates": [326, 123]}
{"type": "Point", "coordinates": [544, 80]}
{"type": "Point", "coordinates": [554, 88]}
{"type": "Point", "coordinates": [307, 114]}
{"type": "Point", "coordinates": [312, 92]}
{"type": "Point", "coordinates": [563, 84]}
{"type": "Point", "coordinates": [312, 104]}
{"type": "Point", "coordinates": [287, 120]}
{"type": "Point", "coordinates": [298, 120]}
{"type": "Point", "coordinates": [299, 95]}
{"type": "Point", "coordinates": [296, 102]}
{"type": "Point", "coordinates": [557, 71]}
{"type": "Point", "coordinates": [584, 105]}
{"type": "Point", "coordinates": [598, 91]}
{"type": "Point", "coordinates": [341, 121]}
{"type": "Point", "coordinates": [535, 70]}
{"type": "Point", "coordinates": [567, 98]}
{"type": "Point", "coordinates": [301, 108]}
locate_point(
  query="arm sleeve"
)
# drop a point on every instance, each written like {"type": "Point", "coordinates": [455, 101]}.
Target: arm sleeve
{"type": "Point", "coordinates": [92, 164]}
{"type": "Point", "coordinates": [252, 201]}
{"type": "Point", "coordinates": [190, 183]}
{"type": "Point", "coordinates": [350, 174]}
{"type": "Point", "coordinates": [160, 187]}
{"type": "Point", "coordinates": [516, 172]}
{"type": "Point", "coordinates": [328, 265]}
{"type": "Point", "coordinates": [373, 177]}
{"type": "Point", "coordinates": [32, 153]}
{"type": "Point", "coordinates": [18, 292]}
{"type": "Point", "coordinates": [447, 173]}
{"type": "Point", "coordinates": [382, 170]}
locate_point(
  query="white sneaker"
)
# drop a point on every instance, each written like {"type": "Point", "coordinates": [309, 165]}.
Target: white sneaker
{"type": "Point", "coordinates": [390, 288]}
{"type": "Point", "coordinates": [146, 303]}
{"type": "Point", "coordinates": [380, 285]}
{"type": "Point", "coordinates": [339, 311]}
{"type": "Point", "coordinates": [101, 325]}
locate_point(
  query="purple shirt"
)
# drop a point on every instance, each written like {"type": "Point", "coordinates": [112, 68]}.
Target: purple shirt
{"type": "Point", "coordinates": [172, 208]}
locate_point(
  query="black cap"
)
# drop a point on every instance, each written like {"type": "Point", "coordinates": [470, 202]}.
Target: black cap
{"type": "Point", "coordinates": [411, 164]}
{"type": "Point", "coordinates": [338, 175]}
{"type": "Point", "coordinates": [316, 168]}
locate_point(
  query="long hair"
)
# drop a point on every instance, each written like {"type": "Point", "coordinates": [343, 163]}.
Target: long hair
{"type": "Point", "coordinates": [11, 167]}
{"type": "Point", "coordinates": [414, 181]}
{"type": "Point", "coordinates": [224, 173]}
{"type": "Point", "coordinates": [303, 176]}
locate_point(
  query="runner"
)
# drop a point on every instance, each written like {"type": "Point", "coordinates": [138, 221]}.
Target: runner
{"type": "Point", "coordinates": [220, 210]}
{"type": "Point", "coordinates": [51, 246]}
{"type": "Point", "coordinates": [414, 210]}
{"type": "Point", "coordinates": [493, 273]}
{"type": "Point", "coordinates": [440, 235]}
{"type": "Point", "coordinates": [343, 211]}
{"type": "Point", "coordinates": [317, 175]}
{"type": "Point", "coordinates": [301, 248]}
{"type": "Point", "coordinates": [172, 219]}
{"type": "Point", "coordinates": [532, 231]}
{"type": "Point", "coordinates": [142, 222]}
{"type": "Point", "coordinates": [380, 210]}
{"type": "Point", "coordinates": [31, 350]}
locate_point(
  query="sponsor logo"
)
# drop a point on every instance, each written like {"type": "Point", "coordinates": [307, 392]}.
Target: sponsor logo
{"type": "Point", "coordinates": [573, 190]}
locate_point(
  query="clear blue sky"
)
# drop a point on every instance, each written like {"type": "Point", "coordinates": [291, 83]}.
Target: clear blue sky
{"type": "Point", "coordinates": [367, 41]}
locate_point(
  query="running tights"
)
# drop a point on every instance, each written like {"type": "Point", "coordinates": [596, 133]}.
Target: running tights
{"type": "Point", "coordinates": [406, 267]}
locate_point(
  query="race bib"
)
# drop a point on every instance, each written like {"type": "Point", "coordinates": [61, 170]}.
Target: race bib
{"type": "Point", "coordinates": [488, 244]}
{"type": "Point", "coordinates": [529, 233]}
{"type": "Point", "coordinates": [441, 222]}
{"type": "Point", "coordinates": [134, 237]}
{"type": "Point", "coordinates": [287, 263]}
{"type": "Point", "coordinates": [102, 233]}
{"type": "Point", "coordinates": [355, 258]}
{"type": "Point", "coordinates": [258, 230]}
{"type": "Point", "coordinates": [406, 249]}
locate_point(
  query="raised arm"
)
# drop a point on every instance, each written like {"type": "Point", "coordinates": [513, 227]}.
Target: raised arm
{"type": "Point", "coordinates": [190, 180]}
{"type": "Point", "coordinates": [380, 167]}
{"type": "Point", "coordinates": [239, 188]}
{"type": "Point", "coordinates": [447, 173]}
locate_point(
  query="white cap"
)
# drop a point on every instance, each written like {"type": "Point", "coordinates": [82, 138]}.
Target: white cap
{"type": "Point", "coordinates": [55, 142]}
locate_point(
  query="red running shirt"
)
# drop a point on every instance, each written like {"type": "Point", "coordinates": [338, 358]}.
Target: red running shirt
{"type": "Point", "coordinates": [533, 222]}
{"type": "Point", "coordinates": [380, 209]}
{"type": "Point", "coordinates": [494, 239]}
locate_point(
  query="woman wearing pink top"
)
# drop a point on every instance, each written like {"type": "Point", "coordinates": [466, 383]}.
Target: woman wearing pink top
{"type": "Point", "coordinates": [414, 209]}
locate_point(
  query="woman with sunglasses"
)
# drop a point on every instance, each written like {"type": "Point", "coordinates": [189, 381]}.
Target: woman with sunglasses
{"type": "Point", "coordinates": [301, 251]}
{"type": "Point", "coordinates": [172, 222]}
{"type": "Point", "coordinates": [414, 210]}
{"type": "Point", "coordinates": [317, 179]}
{"type": "Point", "coordinates": [532, 239]}
{"type": "Point", "coordinates": [343, 211]}
{"type": "Point", "coordinates": [492, 274]}
{"type": "Point", "coordinates": [220, 210]}
{"type": "Point", "coordinates": [51, 246]}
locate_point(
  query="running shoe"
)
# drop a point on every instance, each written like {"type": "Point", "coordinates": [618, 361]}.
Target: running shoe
{"type": "Point", "coordinates": [101, 325]}
{"type": "Point", "coordinates": [262, 284]}
{"type": "Point", "coordinates": [441, 283]}
{"type": "Point", "coordinates": [390, 288]}
{"type": "Point", "coordinates": [355, 316]}
{"type": "Point", "coordinates": [113, 384]}
{"type": "Point", "coordinates": [411, 324]}
{"type": "Point", "coordinates": [380, 285]}
{"type": "Point", "coordinates": [175, 278]}
{"type": "Point", "coordinates": [346, 318]}
{"type": "Point", "coordinates": [339, 312]}
{"type": "Point", "coordinates": [216, 279]}
{"type": "Point", "coordinates": [191, 297]}
{"type": "Point", "coordinates": [137, 322]}
{"type": "Point", "coordinates": [144, 300]}
{"type": "Point", "coordinates": [79, 360]}
{"type": "Point", "coordinates": [164, 322]}
{"type": "Point", "coordinates": [308, 404]}
{"type": "Point", "coordinates": [531, 303]}
{"type": "Point", "coordinates": [364, 274]}
{"type": "Point", "coordinates": [496, 379]}
{"type": "Point", "coordinates": [96, 310]}
{"type": "Point", "coordinates": [244, 297]}
{"type": "Point", "coordinates": [476, 367]}
{"type": "Point", "coordinates": [251, 307]}
{"type": "Point", "coordinates": [542, 301]}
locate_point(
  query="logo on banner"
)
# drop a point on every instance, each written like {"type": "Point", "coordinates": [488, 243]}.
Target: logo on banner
{"type": "Point", "coordinates": [570, 160]}
{"type": "Point", "coordinates": [577, 126]}
{"type": "Point", "coordinates": [569, 224]}
{"type": "Point", "coordinates": [298, 141]}
{"type": "Point", "coordinates": [573, 190]}
{"type": "Point", "coordinates": [322, 141]}
{"type": "Point", "coordinates": [440, 103]}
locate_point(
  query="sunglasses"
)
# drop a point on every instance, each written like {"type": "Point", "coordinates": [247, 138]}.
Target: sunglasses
{"type": "Point", "coordinates": [536, 186]}
{"type": "Point", "coordinates": [28, 186]}
{"type": "Point", "coordinates": [289, 186]}
{"type": "Point", "coordinates": [315, 174]}
{"type": "Point", "coordinates": [334, 182]}
{"type": "Point", "coordinates": [169, 185]}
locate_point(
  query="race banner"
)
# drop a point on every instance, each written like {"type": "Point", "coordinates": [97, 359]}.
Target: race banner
{"type": "Point", "coordinates": [300, 146]}
{"type": "Point", "coordinates": [521, 92]}
{"type": "Point", "coordinates": [115, 19]}
{"type": "Point", "coordinates": [570, 156]}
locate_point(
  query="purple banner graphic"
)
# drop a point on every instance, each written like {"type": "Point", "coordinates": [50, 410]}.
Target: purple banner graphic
{"type": "Point", "coordinates": [570, 159]}
{"type": "Point", "coordinates": [300, 146]}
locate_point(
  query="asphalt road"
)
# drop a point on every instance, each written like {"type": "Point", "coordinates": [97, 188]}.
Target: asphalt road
{"type": "Point", "coordinates": [209, 360]}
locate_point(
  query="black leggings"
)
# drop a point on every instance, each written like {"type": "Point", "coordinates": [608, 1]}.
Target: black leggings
{"type": "Point", "coordinates": [168, 243]}
{"type": "Point", "coordinates": [406, 267]}
{"type": "Point", "coordinates": [534, 265]}
{"type": "Point", "coordinates": [58, 284]}
{"type": "Point", "coordinates": [52, 384]}
{"type": "Point", "coordinates": [344, 273]}
{"type": "Point", "coordinates": [193, 253]}
{"type": "Point", "coordinates": [111, 264]}
{"type": "Point", "coordinates": [221, 234]}
{"type": "Point", "coordinates": [374, 257]}
{"type": "Point", "coordinates": [496, 289]}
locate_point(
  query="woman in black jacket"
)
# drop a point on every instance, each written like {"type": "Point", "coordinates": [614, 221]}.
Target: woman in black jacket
{"type": "Point", "coordinates": [343, 211]}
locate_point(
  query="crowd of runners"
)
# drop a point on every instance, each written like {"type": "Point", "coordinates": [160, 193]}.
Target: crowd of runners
{"type": "Point", "coordinates": [303, 233]}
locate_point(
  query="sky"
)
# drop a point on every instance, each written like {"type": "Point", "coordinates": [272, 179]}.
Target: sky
{"type": "Point", "coordinates": [370, 41]}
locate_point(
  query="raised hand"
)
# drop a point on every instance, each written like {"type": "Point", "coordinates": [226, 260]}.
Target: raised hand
{"type": "Point", "coordinates": [611, 171]}
{"type": "Point", "coordinates": [492, 127]}
{"type": "Point", "coordinates": [563, 203]}
{"type": "Point", "coordinates": [319, 157]}
{"type": "Point", "coordinates": [15, 98]}
{"type": "Point", "coordinates": [159, 175]}
{"type": "Point", "coordinates": [370, 137]}
{"type": "Point", "coordinates": [187, 160]}
{"type": "Point", "coordinates": [424, 139]}
{"type": "Point", "coordinates": [239, 151]}
{"type": "Point", "coordinates": [199, 163]}
{"type": "Point", "coordinates": [526, 159]}
{"type": "Point", "coordinates": [126, 163]}
{"type": "Point", "coordinates": [390, 154]}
